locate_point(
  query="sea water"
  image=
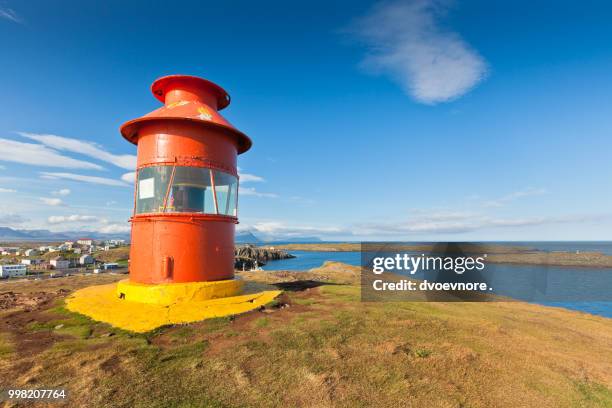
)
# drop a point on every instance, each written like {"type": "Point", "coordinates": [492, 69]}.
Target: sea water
{"type": "Point", "coordinates": [594, 282]}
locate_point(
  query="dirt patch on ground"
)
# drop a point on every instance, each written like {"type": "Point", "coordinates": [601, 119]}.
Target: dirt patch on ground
{"type": "Point", "coordinates": [28, 301]}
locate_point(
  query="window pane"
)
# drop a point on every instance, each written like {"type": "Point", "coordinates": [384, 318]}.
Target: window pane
{"type": "Point", "coordinates": [226, 186]}
{"type": "Point", "coordinates": [191, 191]}
{"type": "Point", "coordinates": [151, 188]}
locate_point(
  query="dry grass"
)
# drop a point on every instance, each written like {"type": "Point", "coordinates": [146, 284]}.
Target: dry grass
{"type": "Point", "coordinates": [326, 349]}
{"type": "Point", "coordinates": [113, 255]}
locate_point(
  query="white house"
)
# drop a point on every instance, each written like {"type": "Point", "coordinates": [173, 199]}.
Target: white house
{"type": "Point", "coordinates": [31, 252]}
{"type": "Point", "coordinates": [86, 259]}
{"type": "Point", "coordinates": [6, 271]}
{"type": "Point", "coordinates": [31, 261]}
{"type": "Point", "coordinates": [60, 263]}
{"type": "Point", "coordinates": [85, 241]}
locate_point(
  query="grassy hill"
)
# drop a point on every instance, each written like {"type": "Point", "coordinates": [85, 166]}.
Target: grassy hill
{"type": "Point", "coordinates": [318, 346]}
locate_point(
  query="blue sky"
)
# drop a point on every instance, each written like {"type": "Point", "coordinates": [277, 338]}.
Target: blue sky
{"type": "Point", "coordinates": [416, 120]}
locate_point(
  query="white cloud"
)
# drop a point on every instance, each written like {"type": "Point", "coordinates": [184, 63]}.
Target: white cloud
{"type": "Point", "coordinates": [250, 191]}
{"type": "Point", "coordinates": [39, 155]}
{"type": "Point", "coordinates": [85, 179]}
{"type": "Point", "coordinates": [61, 219]}
{"type": "Point", "coordinates": [406, 41]}
{"type": "Point", "coordinates": [10, 219]}
{"type": "Point", "coordinates": [279, 230]}
{"type": "Point", "coordinates": [52, 201]}
{"type": "Point", "coordinates": [7, 190]}
{"type": "Point", "coordinates": [10, 14]}
{"type": "Point", "coordinates": [114, 228]}
{"type": "Point", "coordinates": [432, 224]}
{"type": "Point", "coordinates": [129, 177]}
{"type": "Point", "coordinates": [2, 167]}
{"type": "Point", "coordinates": [500, 202]}
{"type": "Point", "coordinates": [125, 161]}
{"type": "Point", "coordinates": [62, 192]}
{"type": "Point", "coordinates": [246, 178]}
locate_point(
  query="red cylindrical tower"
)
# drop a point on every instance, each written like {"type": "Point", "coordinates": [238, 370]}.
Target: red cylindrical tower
{"type": "Point", "coordinates": [185, 212]}
{"type": "Point", "coordinates": [186, 193]}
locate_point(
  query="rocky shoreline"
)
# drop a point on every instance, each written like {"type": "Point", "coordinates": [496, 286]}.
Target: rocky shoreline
{"type": "Point", "coordinates": [247, 257]}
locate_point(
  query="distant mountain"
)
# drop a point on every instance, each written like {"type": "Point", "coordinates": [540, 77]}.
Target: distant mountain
{"type": "Point", "coordinates": [9, 234]}
{"type": "Point", "coordinates": [247, 237]}
{"type": "Point", "coordinates": [244, 237]}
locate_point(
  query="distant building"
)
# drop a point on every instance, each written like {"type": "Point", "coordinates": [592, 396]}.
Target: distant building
{"type": "Point", "coordinates": [6, 271]}
{"type": "Point", "coordinates": [31, 252]}
{"type": "Point", "coordinates": [86, 259]}
{"type": "Point", "coordinates": [85, 241]}
{"type": "Point", "coordinates": [42, 266]}
{"type": "Point", "coordinates": [31, 261]}
{"type": "Point", "coordinates": [60, 263]}
{"type": "Point", "coordinates": [110, 266]}
{"type": "Point", "coordinates": [77, 250]}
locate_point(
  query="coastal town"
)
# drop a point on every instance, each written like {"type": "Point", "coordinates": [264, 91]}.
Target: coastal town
{"type": "Point", "coordinates": [37, 260]}
{"type": "Point", "coordinates": [19, 260]}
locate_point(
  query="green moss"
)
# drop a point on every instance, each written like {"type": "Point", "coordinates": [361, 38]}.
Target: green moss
{"type": "Point", "coordinates": [188, 351]}
{"type": "Point", "coordinates": [183, 332]}
{"type": "Point", "coordinates": [262, 322]}
{"type": "Point", "coordinates": [593, 395]}
{"type": "Point", "coordinates": [6, 346]}
{"type": "Point", "coordinates": [342, 292]}
{"type": "Point", "coordinates": [216, 324]}
{"type": "Point", "coordinates": [304, 302]}
{"type": "Point", "coordinates": [422, 353]}
{"type": "Point", "coordinates": [232, 333]}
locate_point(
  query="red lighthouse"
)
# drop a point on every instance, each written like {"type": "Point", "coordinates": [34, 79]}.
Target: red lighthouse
{"type": "Point", "coordinates": [186, 201]}
{"type": "Point", "coordinates": [185, 210]}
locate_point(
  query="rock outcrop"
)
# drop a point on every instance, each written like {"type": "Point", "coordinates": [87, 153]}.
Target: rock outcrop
{"type": "Point", "coordinates": [249, 256]}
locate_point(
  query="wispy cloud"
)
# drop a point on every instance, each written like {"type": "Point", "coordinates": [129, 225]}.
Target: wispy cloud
{"type": "Point", "coordinates": [7, 190]}
{"type": "Point", "coordinates": [10, 14]}
{"type": "Point", "coordinates": [250, 191]}
{"type": "Point", "coordinates": [129, 177]}
{"type": "Point", "coordinates": [61, 219]}
{"type": "Point", "coordinates": [468, 222]}
{"type": "Point", "coordinates": [246, 178]}
{"type": "Point", "coordinates": [502, 201]}
{"type": "Point", "coordinates": [11, 219]}
{"type": "Point", "coordinates": [85, 179]}
{"type": "Point", "coordinates": [114, 228]}
{"type": "Point", "coordinates": [406, 41]}
{"type": "Point", "coordinates": [125, 161]}
{"type": "Point", "coordinates": [39, 155]}
{"type": "Point", "coordinates": [62, 192]}
{"type": "Point", "coordinates": [52, 201]}
{"type": "Point", "coordinates": [276, 230]}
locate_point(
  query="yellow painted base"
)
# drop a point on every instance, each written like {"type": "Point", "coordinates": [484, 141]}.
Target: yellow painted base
{"type": "Point", "coordinates": [102, 303]}
{"type": "Point", "coordinates": [169, 293]}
